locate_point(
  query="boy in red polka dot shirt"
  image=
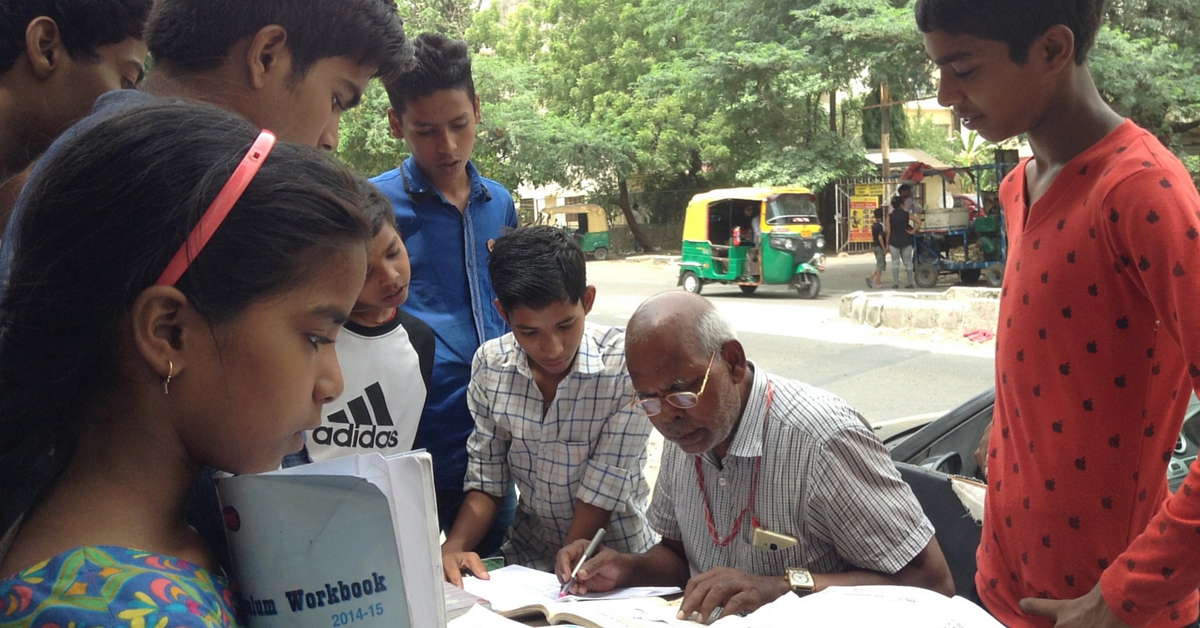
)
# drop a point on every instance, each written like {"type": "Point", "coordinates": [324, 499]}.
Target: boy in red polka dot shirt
{"type": "Point", "coordinates": [1099, 333]}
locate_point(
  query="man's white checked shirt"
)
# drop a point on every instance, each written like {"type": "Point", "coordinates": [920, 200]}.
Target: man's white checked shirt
{"type": "Point", "coordinates": [825, 479]}
{"type": "Point", "coordinates": [589, 445]}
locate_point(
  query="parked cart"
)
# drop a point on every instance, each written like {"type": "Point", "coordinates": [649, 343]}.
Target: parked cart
{"type": "Point", "coordinates": [950, 242]}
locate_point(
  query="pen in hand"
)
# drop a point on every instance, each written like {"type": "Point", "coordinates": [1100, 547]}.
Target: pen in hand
{"type": "Point", "coordinates": [587, 553]}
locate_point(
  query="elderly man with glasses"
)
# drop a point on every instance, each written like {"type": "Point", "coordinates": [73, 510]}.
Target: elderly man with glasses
{"type": "Point", "coordinates": [767, 485]}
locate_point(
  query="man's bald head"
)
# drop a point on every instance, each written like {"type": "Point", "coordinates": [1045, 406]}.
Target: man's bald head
{"type": "Point", "coordinates": [681, 319]}
{"type": "Point", "coordinates": [676, 343]}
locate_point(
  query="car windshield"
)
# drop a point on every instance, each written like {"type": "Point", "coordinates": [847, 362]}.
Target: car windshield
{"type": "Point", "coordinates": [785, 209]}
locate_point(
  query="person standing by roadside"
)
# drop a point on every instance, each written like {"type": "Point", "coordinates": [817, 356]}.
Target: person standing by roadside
{"type": "Point", "coordinates": [899, 231]}
{"type": "Point", "coordinates": [879, 246]}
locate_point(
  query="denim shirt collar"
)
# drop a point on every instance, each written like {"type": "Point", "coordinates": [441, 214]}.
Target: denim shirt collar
{"type": "Point", "coordinates": [420, 189]}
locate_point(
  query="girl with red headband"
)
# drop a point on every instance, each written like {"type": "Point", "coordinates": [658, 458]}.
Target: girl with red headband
{"type": "Point", "coordinates": [178, 285]}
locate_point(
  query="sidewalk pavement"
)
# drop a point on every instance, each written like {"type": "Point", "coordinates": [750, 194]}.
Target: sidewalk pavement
{"type": "Point", "coordinates": [958, 309]}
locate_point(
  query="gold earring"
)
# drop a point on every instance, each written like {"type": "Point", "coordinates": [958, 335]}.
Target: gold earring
{"type": "Point", "coordinates": [167, 381]}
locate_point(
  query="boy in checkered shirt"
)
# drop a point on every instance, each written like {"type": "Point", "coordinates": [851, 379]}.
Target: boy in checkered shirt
{"type": "Point", "coordinates": [551, 402]}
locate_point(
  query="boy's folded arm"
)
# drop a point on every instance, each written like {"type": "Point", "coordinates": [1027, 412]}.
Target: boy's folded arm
{"type": "Point", "coordinates": [612, 473]}
{"type": "Point", "coordinates": [474, 518]}
{"type": "Point", "coordinates": [488, 444]}
{"type": "Point", "coordinates": [587, 520]}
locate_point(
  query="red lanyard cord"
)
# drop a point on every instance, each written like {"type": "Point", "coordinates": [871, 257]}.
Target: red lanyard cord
{"type": "Point", "coordinates": [737, 523]}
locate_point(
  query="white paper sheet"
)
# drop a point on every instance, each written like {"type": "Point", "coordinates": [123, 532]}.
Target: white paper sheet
{"type": "Point", "coordinates": [515, 586]}
{"type": "Point", "coordinates": [480, 617]}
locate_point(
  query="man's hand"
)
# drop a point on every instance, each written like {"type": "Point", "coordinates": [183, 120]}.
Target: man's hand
{"type": "Point", "coordinates": [455, 563]}
{"type": "Point", "coordinates": [1088, 611]}
{"type": "Point", "coordinates": [981, 452]}
{"type": "Point", "coordinates": [732, 590]}
{"type": "Point", "coordinates": [602, 572]}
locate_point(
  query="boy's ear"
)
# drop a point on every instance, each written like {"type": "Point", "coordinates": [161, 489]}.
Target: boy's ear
{"type": "Point", "coordinates": [1056, 47]}
{"type": "Point", "coordinates": [164, 328]}
{"type": "Point", "coordinates": [394, 124]}
{"type": "Point", "coordinates": [268, 56]}
{"type": "Point", "coordinates": [44, 47]}
{"type": "Point", "coordinates": [478, 116]}
{"type": "Point", "coordinates": [500, 310]}
{"type": "Point", "coordinates": [589, 298]}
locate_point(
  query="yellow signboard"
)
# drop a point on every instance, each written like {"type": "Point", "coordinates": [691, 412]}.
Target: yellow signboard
{"type": "Point", "coordinates": [868, 189]}
{"type": "Point", "coordinates": [862, 209]}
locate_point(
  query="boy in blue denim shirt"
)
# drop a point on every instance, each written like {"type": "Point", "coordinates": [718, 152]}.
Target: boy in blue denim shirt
{"type": "Point", "coordinates": [449, 216]}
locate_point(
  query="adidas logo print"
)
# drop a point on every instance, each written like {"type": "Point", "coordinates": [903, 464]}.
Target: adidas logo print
{"type": "Point", "coordinates": [362, 433]}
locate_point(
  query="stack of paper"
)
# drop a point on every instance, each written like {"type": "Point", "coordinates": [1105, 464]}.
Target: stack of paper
{"type": "Point", "coordinates": [352, 540]}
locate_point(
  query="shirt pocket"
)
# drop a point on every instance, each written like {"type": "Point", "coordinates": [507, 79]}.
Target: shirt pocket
{"type": "Point", "coordinates": [769, 562]}
{"type": "Point", "coordinates": [559, 468]}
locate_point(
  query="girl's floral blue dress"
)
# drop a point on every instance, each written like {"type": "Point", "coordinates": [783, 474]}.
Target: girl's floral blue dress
{"type": "Point", "coordinates": [116, 586]}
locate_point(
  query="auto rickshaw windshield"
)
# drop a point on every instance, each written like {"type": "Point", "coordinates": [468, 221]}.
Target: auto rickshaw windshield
{"type": "Point", "coordinates": [784, 209]}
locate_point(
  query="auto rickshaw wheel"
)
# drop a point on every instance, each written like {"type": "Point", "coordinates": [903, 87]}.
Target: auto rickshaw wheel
{"type": "Point", "coordinates": [969, 275]}
{"type": "Point", "coordinates": [748, 289]}
{"type": "Point", "coordinates": [691, 283]}
{"type": "Point", "coordinates": [926, 275]}
{"type": "Point", "coordinates": [809, 287]}
{"type": "Point", "coordinates": [600, 254]}
{"type": "Point", "coordinates": [995, 275]}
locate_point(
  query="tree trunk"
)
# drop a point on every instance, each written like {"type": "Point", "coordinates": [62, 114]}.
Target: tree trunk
{"type": "Point", "coordinates": [634, 227]}
{"type": "Point", "coordinates": [833, 125]}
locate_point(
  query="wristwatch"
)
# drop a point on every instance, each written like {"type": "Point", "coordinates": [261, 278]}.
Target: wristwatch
{"type": "Point", "coordinates": [800, 580]}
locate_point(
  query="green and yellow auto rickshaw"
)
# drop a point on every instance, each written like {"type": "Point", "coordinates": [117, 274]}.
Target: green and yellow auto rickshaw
{"type": "Point", "coordinates": [753, 236]}
{"type": "Point", "coordinates": [588, 224]}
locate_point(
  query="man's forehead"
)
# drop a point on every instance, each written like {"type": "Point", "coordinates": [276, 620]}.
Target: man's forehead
{"type": "Point", "coordinates": [660, 360]}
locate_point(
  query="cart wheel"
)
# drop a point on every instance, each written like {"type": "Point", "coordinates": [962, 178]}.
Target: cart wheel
{"type": "Point", "coordinates": [969, 275]}
{"type": "Point", "coordinates": [692, 283]}
{"type": "Point", "coordinates": [995, 275]}
{"type": "Point", "coordinates": [600, 254]}
{"type": "Point", "coordinates": [926, 275]}
{"type": "Point", "coordinates": [808, 287]}
{"type": "Point", "coordinates": [748, 289]}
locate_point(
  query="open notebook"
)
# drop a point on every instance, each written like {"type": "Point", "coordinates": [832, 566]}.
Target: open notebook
{"type": "Point", "coordinates": [516, 591]}
{"type": "Point", "coordinates": [838, 607]}
{"type": "Point", "coordinates": [351, 541]}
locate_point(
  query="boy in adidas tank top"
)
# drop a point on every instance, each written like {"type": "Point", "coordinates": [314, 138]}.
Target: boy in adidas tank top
{"type": "Point", "coordinates": [386, 357]}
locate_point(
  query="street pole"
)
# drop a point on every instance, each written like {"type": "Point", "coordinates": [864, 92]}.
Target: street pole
{"type": "Point", "coordinates": [885, 134]}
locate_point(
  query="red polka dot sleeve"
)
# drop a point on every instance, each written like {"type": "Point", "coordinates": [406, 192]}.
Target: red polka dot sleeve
{"type": "Point", "coordinates": [1153, 219]}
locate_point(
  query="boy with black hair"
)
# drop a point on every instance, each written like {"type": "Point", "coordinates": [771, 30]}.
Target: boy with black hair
{"type": "Point", "coordinates": [56, 58]}
{"type": "Point", "coordinates": [291, 66]}
{"type": "Point", "coordinates": [552, 406]}
{"type": "Point", "coordinates": [1099, 339]}
{"type": "Point", "coordinates": [449, 216]}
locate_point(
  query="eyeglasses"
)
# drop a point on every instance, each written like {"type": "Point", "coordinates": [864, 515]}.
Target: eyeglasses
{"type": "Point", "coordinates": [651, 406]}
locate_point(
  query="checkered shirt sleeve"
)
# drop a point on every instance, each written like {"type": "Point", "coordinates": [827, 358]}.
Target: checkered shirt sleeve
{"type": "Point", "coordinates": [488, 445]}
{"type": "Point", "coordinates": [612, 473]}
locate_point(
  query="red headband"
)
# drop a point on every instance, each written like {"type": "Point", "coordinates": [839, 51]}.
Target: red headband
{"type": "Point", "coordinates": [218, 210]}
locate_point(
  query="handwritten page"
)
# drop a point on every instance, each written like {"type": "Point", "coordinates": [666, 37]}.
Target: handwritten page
{"type": "Point", "coordinates": [515, 587]}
